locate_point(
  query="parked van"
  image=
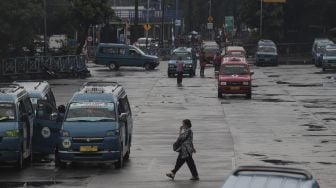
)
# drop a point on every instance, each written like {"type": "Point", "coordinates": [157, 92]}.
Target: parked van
{"type": "Point", "coordinates": [329, 58]}
{"type": "Point", "coordinates": [16, 124]}
{"type": "Point", "coordinates": [270, 177]}
{"type": "Point", "coordinates": [117, 55]}
{"type": "Point", "coordinates": [47, 123]}
{"type": "Point", "coordinates": [97, 126]}
{"type": "Point", "coordinates": [318, 49]}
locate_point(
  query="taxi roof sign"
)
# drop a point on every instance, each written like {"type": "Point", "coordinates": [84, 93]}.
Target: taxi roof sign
{"type": "Point", "coordinates": [93, 89]}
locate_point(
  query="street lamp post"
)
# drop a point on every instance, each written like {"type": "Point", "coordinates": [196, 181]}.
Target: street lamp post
{"type": "Point", "coordinates": [45, 27]}
{"type": "Point", "coordinates": [261, 17]}
{"type": "Point", "coordinates": [147, 20]}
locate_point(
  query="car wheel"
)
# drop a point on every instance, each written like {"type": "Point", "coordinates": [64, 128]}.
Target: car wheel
{"type": "Point", "coordinates": [58, 162]}
{"type": "Point", "coordinates": [120, 163]}
{"type": "Point", "coordinates": [113, 66]}
{"type": "Point", "coordinates": [219, 94]}
{"type": "Point", "coordinates": [249, 95]}
{"type": "Point", "coordinates": [147, 66]}
{"type": "Point", "coordinates": [127, 155]}
{"type": "Point", "coordinates": [19, 162]}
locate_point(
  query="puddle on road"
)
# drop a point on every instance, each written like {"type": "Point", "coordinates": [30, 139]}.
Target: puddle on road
{"type": "Point", "coordinates": [273, 100]}
{"type": "Point", "coordinates": [329, 119]}
{"type": "Point", "coordinates": [32, 184]}
{"type": "Point", "coordinates": [281, 82]}
{"type": "Point", "coordinates": [282, 162]}
{"type": "Point", "coordinates": [312, 127]}
{"type": "Point", "coordinates": [255, 154]}
{"type": "Point", "coordinates": [327, 163]}
{"type": "Point", "coordinates": [305, 85]}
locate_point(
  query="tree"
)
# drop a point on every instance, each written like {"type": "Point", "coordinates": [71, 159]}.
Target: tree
{"type": "Point", "coordinates": [86, 13]}
{"type": "Point", "coordinates": [19, 20]}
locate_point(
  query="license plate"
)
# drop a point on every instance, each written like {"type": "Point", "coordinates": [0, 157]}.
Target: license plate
{"type": "Point", "coordinates": [235, 88]}
{"type": "Point", "coordinates": [88, 148]}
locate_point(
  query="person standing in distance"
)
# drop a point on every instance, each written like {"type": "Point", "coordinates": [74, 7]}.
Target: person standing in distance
{"type": "Point", "coordinates": [179, 70]}
{"type": "Point", "coordinates": [185, 151]}
{"type": "Point", "coordinates": [202, 63]}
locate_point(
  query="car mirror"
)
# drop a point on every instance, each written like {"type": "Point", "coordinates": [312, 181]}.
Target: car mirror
{"type": "Point", "coordinates": [53, 116]}
{"type": "Point", "coordinates": [251, 73]}
{"type": "Point", "coordinates": [123, 117]}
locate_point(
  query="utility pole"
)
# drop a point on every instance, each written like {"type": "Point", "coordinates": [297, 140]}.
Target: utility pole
{"type": "Point", "coordinates": [261, 17]}
{"type": "Point", "coordinates": [45, 27]}
{"type": "Point", "coordinates": [176, 17]}
{"type": "Point", "coordinates": [136, 20]}
{"type": "Point", "coordinates": [147, 22]}
{"type": "Point", "coordinates": [163, 4]}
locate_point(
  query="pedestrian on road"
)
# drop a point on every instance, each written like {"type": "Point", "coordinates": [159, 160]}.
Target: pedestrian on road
{"type": "Point", "coordinates": [202, 63]}
{"type": "Point", "coordinates": [179, 70]}
{"type": "Point", "coordinates": [217, 61]}
{"type": "Point", "coordinates": [185, 150]}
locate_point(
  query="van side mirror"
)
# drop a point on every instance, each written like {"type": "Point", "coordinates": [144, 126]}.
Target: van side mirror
{"type": "Point", "coordinates": [123, 117]}
{"type": "Point", "coordinates": [53, 116]}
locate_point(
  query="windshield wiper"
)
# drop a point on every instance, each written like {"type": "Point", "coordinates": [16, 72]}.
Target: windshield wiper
{"type": "Point", "coordinates": [81, 120]}
{"type": "Point", "coordinates": [4, 118]}
{"type": "Point", "coordinates": [105, 120]}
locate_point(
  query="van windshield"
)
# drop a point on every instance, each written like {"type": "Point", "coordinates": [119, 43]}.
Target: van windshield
{"type": "Point", "coordinates": [234, 70]}
{"type": "Point", "coordinates": [139, 50]}
{"type": "Point", "coordinates": [267, 49]}
{"type": "Point", "coordinates": [91, 111]}
{"type": "Point", "coordinates": [7, 112]}
{"type": "Point", "coordinates": [184, 56]}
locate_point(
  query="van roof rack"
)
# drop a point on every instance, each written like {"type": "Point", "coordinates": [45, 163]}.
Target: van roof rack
{"type": "Point", "coordinates": [296, 171]}
{"type": "Point", "coordinates": [9, 87]}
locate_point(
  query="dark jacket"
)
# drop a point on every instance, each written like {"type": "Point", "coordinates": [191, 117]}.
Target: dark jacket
{"type": "Point", "coordinates": [187, 148]}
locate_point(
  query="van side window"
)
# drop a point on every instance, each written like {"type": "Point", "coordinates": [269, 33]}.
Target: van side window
{"type": "Point", "coordinates": [51, 98]}
{"type": "Point", "coordinates": [121, 51]}
{"type": "Point", "coordinates": [126, 105]}
{"type": "Point", "coordinates": [132, 52]}
{"type": "Point", "coordinates": [28, 106]}
{"type": "Point", "coordinates": [120, 107]}
{"type": "Point", "coordinates": [108, 50]}
{"type": "Point", "coordinates": [22, 109]}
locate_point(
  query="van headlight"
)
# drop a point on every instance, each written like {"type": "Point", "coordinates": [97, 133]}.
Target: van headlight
{"type": "Point", "coordinates": [223, 83]}
{"type": "Point", "coordinates": [66, 143]}
{"type": "Point", "coordinates": [112, 133]}
{"type": "Point", "coordinates": [65, 133]}
{"type": "Point", "coordinates": [11, 133]}
{"type": "Point", "coordinates": [246, 83]}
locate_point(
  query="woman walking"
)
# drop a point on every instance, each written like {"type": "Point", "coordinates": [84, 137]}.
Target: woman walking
{"type": "Point", "coordinates": [179, 70]}
{"type": "Point", "coordinates": [185, 150]}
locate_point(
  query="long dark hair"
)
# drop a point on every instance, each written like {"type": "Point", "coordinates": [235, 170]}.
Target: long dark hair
{"type": "Point", "coordinates": [187, 122]}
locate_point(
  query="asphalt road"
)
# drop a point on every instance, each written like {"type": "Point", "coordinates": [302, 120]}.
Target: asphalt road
{"type": "Point", "coordinates": [290, 121]}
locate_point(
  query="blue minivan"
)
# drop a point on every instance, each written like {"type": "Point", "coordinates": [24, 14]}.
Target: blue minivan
{"type": "Point", "coordinates": [117, 55]}
{"type": "Point", "coordinates": [97, 126]}
{"type": "Point", "coordinates": [189, 59]}
{"type": "Point", "coordinates": [47, 123]}
{"type": "Point", "coordinates": [16, 125]}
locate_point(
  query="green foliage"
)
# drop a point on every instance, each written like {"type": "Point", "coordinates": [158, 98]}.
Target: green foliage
{"type": "Point", "coordinates": [86, 13]}
{"type": "Point", "coordinates": [19, 20]}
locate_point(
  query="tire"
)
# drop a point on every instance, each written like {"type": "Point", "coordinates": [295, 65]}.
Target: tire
{"type": "Point", "coordinates": [248, 95]}
{"type": "Point", "coordinates": [58, 162]}
{"type": "Point", "coordinates": [113, 66]}
{"type": "Point", "coordinates": [120, 163]}
{"type": "Point", "coordinates": [147, 66]}
{"type": "Point", "coordinates": [219, 94]}
{"type": "Point", "coordinates": [20, 162]}
{"type": "Point", "coordinates": [128, 153]}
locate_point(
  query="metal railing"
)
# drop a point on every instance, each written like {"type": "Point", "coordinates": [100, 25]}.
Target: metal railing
{"type": "Point", "coordinates": [42, 64]}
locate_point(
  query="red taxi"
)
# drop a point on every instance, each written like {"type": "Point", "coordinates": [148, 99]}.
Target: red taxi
{"type": "Point", "coordinates": [235, 78]}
